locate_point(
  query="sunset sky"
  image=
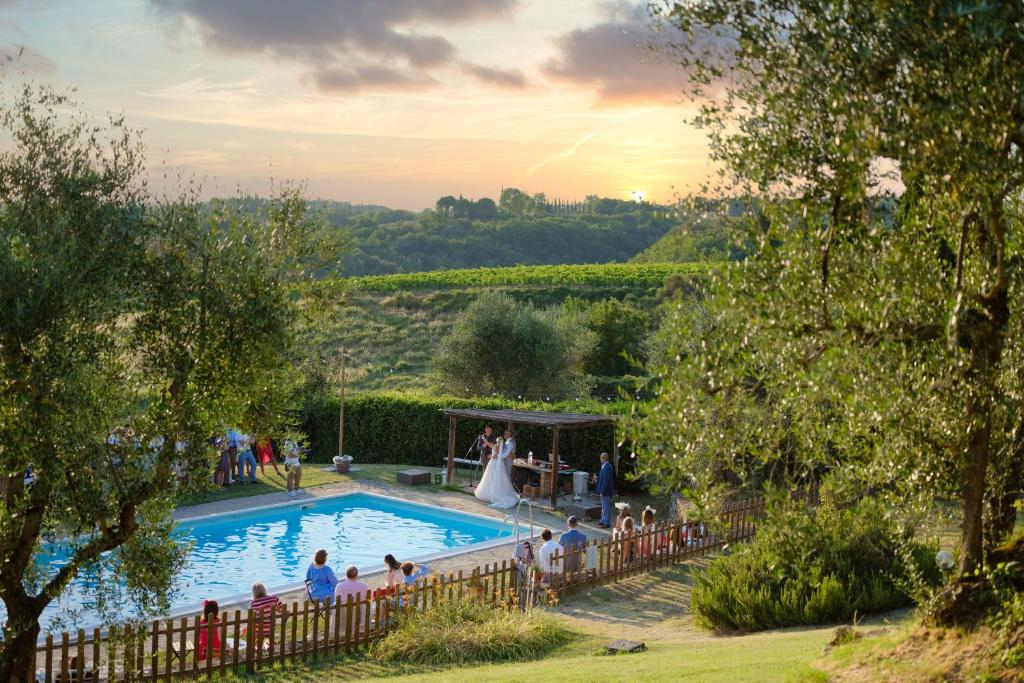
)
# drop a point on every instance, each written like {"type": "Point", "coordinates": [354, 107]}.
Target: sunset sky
{"type": "Point", "coordinates": [393, 102]}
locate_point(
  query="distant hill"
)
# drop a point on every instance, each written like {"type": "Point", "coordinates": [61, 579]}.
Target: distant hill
{"type": "Point", "coordinates": [387, 241]}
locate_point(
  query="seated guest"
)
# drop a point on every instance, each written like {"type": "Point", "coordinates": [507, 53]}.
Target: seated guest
{"type": "Point", "coordinates": [320, 578]}
{"type": "Point", "coordinates": [624, 513]}
{"type": "Point", "coordinates": [572, 541]}
{"type": "Point", "coordinates": [350, 586]}
{"type": "Point", "coordinates": [627, 538]}
{"type": "Point", "coordinates": [210, 612]}
{"type": "Point", "coordinates": [263, 605]}
{"type": "Point", "coordinates": [550, 566]}
{"type": "Point", "coordinates": [411, 573]}
{"type": "Point", "coordinates": [523, 555]}
{"type": "Point", "coordinates": [648, 543]}
{"type": "Point", "coordinates": [394, 571]}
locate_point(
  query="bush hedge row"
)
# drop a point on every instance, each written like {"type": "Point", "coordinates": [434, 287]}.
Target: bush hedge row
{"type": "Point", "coordinates": [405, 428]}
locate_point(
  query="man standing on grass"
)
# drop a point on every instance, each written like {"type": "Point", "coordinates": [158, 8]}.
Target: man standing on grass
{"type": "Point", "coordinates": [606, 489]}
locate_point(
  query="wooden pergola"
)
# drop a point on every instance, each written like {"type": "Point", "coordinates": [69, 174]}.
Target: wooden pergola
{"type": "Point", "coordinates": [553, 421]}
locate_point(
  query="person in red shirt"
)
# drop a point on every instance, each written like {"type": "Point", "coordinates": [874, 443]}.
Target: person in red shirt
{"type": "Point", "coordinates": [210, 612]}
{"type": "Point", "coordinates": [265, 454]}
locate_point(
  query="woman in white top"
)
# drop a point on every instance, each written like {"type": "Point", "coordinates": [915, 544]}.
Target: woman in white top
{"type": "Point", "coordinates": [294, 467]}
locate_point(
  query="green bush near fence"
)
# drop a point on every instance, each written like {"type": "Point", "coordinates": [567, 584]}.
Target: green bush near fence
{"type": "Point", "coordinates": [808, 567]}
{"type": "Point", "coordinates": [470, 631]}
{"type": "Point", "coordinates": [401, 428]}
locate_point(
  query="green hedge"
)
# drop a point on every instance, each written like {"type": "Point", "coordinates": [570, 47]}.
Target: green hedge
{"type": "Point", "coordinates": [400, 428]}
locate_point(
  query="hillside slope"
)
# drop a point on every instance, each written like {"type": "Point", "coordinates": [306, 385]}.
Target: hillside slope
{"type": "Point", "coordinates": [391, 324]}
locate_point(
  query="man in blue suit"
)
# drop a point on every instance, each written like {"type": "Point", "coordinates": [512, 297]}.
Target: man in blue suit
{"type": "Point", "coordinates": [570, 541]}
{"type": "Point", "coordinates": [606, 489]}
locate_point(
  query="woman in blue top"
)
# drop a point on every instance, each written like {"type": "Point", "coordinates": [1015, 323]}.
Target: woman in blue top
{"type": "Point", "coordinates": [320, 578]}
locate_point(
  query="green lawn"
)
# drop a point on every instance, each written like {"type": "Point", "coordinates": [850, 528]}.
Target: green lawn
{"type": "Point", "coordinates": [313, 475]}
{"type": "Point", "coordinates": [653, 608]}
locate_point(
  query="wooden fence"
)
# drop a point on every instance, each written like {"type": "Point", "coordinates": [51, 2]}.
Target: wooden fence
{"type": "Point", "coordinates": [168, 649]}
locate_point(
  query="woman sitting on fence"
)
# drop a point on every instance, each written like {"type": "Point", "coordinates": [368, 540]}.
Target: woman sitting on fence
{"type": "Point", "coordinates": [212, 633]}
{"type": "Point", "coordinates": [320, 579]}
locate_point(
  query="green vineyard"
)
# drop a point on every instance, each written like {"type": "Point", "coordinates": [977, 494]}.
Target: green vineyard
{"type": "Point", "coordinates": [634, 274]}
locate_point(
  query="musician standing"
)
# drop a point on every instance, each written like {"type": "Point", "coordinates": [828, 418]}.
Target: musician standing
{"type": "Point", "coordinates": [486, 443]}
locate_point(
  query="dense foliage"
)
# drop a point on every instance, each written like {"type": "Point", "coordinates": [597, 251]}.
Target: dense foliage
{"type": "Point", "coordinates": [887, 348]}
{"type": "Point", "coordinates": [403, 428]}
{"type": "Point", "coordinates": [501, 346]}
{"type": "Point", "coordinates": [434, 241]}
{"type": "Point", "coordinates": [619, 333]}
{"type": "Point", "coordinates": [809, 567]}
{"type": "Point", "coordinates": [455, 632]}
{"type": "Point", "coordinates": [124, 341]}
{"type": "Point", "coordinates": [618, 274]}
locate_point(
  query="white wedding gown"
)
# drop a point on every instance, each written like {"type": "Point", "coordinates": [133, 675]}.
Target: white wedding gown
{"type": "Point", "coordinates": [495, 486]}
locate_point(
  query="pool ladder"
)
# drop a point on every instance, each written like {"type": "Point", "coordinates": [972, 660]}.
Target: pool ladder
{"type": "Point", "coordinates": [515, 517]}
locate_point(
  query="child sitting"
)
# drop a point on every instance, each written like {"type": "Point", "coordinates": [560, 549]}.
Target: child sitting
{"type": "Point", "coordinates": [210, 612]}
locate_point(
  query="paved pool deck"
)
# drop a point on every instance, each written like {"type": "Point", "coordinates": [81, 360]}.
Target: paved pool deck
{"type": "Point", "coordinates": [373, 576]}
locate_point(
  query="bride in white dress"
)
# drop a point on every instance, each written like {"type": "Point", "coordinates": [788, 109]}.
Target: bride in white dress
{"type": "Point", "coordinates": [495, 486]}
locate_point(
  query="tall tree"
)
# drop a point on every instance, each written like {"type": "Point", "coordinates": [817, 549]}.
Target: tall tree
{"type": "Point", "coordinates": [120, 317]}
{"type": "Point", "coordinates": [886, 345]}
{"type": "Point", "coordinates": [515, 201]}
{"type": "Point", "coordinates": [500, 345]}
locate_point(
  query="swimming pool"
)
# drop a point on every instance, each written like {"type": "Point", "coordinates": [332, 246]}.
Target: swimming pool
{"type": "Point", "coordinates": [275, 545]}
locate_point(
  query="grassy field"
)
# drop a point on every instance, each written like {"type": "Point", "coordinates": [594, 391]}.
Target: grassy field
{"type": "Point", "coordinates": [653, 609]}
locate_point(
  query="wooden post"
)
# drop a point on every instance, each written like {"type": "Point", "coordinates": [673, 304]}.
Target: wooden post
{"type": "Point", "coordinates": [451, 449]}
{"type": "Point", "coordinates": [554, 468]}
{"type": "Point", "coordinates": [341, 408]}
{"type": "Point", "coordinates": [615, 451]}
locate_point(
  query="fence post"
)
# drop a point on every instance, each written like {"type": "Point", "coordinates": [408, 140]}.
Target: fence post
{"type": "Point", "coordinates": [209, 647]}
{"type": "Point", "coordinates": [348, 625]}
{"type": "Point", "coordinates": [316, 625]}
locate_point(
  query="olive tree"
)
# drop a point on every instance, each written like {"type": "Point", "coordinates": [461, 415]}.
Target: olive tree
{"type": "Point", "coordinates": [875, 329]}
{"type": "Point", "coordinates": [131, 330]}
{"type": "Point", "coordinates": [503, 346]}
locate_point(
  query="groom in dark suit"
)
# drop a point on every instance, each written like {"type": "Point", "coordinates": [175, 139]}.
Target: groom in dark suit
{"type": "Point", "coordinates": [606, 489]}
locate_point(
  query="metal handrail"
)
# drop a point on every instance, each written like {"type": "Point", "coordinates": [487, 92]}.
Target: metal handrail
{"type": "Point", "coordinates": [515, 519]}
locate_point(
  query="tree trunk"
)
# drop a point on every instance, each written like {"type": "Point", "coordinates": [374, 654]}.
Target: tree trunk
{"type": "Point", "coordinates": [18, 651]}
{"type": "Point", "coordinates": [972, 498]}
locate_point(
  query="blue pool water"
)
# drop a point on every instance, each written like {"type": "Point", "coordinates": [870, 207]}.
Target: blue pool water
{"type": "Point", "coordinates": [276, 545]}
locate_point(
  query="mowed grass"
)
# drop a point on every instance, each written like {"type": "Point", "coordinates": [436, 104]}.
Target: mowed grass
{"type": "Point", "coordinates": [313, 475]}
{"type": "Point", "coordinates": [652, 608]}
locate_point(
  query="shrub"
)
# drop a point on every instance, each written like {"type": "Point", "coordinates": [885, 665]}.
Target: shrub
{"type": "Point", "coordinates": [469, 631]}
{"type": "Point", "coordinates": [499, 344]}
{"type": "Point", "coordinates": [813, 567]}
